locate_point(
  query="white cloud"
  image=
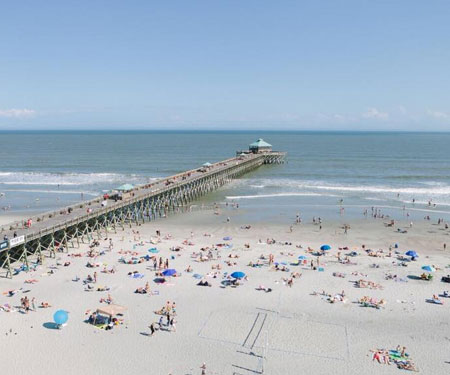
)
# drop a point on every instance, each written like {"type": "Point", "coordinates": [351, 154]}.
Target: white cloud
{"type": "Point", "coordinates": [373, 113]}
{"type": "Point", "coordinates": [17, 113]}
{"type": "Point", "coordinates": [439, 115]}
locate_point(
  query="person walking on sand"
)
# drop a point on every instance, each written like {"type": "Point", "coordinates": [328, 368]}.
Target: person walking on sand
{"type": "Point", "coordinates": [172, 325]}
{"type": "Point", "coordinates": [152, 329]}
{"type": "Point", "coordinates": [203, 368]}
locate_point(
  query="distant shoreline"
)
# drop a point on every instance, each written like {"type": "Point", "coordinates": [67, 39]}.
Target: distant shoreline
{"type": "Point", "coordinates": [216, 131]}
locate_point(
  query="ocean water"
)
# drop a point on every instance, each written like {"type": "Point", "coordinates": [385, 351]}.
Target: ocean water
{"type": "Point", "coordinates": [40, 171]}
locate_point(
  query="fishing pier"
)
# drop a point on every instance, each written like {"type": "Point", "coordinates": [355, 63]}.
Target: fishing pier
{"type": "Point", "coordinates": [31, 241]}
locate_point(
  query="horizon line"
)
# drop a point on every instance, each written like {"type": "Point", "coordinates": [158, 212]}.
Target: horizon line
{"type": "Point", "coordinates": [181, 130]}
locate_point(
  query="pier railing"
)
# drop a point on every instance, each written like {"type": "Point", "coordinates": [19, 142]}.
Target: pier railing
{"type": "Point", "coordinates": [147, 202]}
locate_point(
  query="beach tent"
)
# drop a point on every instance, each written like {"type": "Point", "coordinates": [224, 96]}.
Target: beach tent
{"type": "Point", "coordinates": [325, 247]}
{"type": "Point", "coordinates": [125, 187]}
{"type": "Point", "coordinates": [238, 275]}
{"type": "Point", "coordinates": [169, 272]}
{"type": "Point", "coordinates": [111, 309]}
{"type": "Point", "coordinates": [207, 164]}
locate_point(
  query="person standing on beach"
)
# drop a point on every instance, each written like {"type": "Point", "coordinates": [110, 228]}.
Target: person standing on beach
{"type": "Point", "coordinates": [152, 329]}
{"type": "Point", "coordinates": [172, 325]}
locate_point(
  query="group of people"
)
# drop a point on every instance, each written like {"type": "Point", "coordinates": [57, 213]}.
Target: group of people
{"type": "Point", "coordinates": [168, 312]}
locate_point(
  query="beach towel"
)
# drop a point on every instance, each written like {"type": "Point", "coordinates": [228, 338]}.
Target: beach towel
{"type": "Point", "coordinates": [137, 276]}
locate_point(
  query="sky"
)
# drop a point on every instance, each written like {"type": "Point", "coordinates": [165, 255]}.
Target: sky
{"type": "Point", "coordinates": [235, 64]}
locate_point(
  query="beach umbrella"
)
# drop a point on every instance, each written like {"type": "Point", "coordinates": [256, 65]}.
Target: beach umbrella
{"type": "Point", "coordinates": [412, 253]}
{"type": "Point", "coordinates": [302, 257]}
{"type": "Point", "coordinates": [169, 272]}
{"type": "Point", "coordinates": [238, 275]}
{"type": "Point", "coordinates": [429, 268]}
{"type": "Point", "coordinates": [227, 238]}
{"type": "Point", "coordinates": [60, 317]}
{"type": "Point", "coordinates": [153, 250]}
{"type": "Point", "coordinates": [325, 247]}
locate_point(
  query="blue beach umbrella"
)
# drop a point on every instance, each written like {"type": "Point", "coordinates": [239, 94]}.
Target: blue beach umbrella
{"type": "Point", "coordinates": [302, 257]}
{"type": "Point", "coordinates": [238, 275]}
{"type": "Point", "coordinates": [429, 268]}
{"type": "Point", "coordinates": [325, 247]}
{"type": "Point", "coordinates": [169, 272]}
{"type": "Point", "coordinates": [153, 250]}
{"type": "Point", "coordinates": [412, 253]}
{"type": "Point", "coordinates": [60, 317]}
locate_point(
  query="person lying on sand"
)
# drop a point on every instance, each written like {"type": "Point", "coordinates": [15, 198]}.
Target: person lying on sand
{"type": "Point", "coordinates": [282, 268]}
{"type": "Point", "coordinates": [12, 292]}
{"type": "Point", "coordinates": [105, 270]}
{"type": "Point", "coordinates": [144, 290]}
{"type": "Point", "coordinates": [407, 365]}
{"type": "Point", "coordinates": [203, 282]}
{"type": "Point", "coordinates": [107, 300]}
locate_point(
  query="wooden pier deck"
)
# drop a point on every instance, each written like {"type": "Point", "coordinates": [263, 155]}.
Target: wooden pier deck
{"type": "Point", "coordinates": [56, 231]}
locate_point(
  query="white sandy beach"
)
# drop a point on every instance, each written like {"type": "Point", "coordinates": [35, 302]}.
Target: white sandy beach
{"type": "Point", "coordinates": [230, 329]}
